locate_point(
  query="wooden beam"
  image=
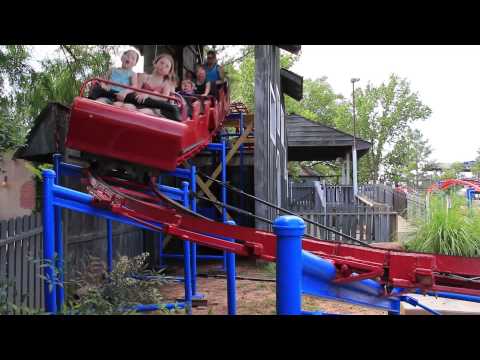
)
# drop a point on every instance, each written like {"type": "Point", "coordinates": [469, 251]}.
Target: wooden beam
{"type": "Point", "coordinates": [207, 192]}
{"type": "Point", "coordinates": [205, 187]}
{"type": "Point", "coordinates": [230, 154]}
{"type": "Point", "coordinates": [365, 200]}
{"type": "Point", "coordinates": [249, 118]}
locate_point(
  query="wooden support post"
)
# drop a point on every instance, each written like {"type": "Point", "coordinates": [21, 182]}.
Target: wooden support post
{"type": "Point", "coordinates": [348, 173]}
{"type": "Point", "coordinates": [209, 194]}
{"type": "Point", "coordinates": [205, 186]}
{"type": "Point", "coordinates": [232, 152]}
{"type": "Point", "coordinates": [201, 184]}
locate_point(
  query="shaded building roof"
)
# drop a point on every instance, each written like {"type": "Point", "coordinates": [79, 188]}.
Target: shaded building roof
{"type": "Point", "coordinates": [309, 140]}
{"type": "Point", "coordinates": [291, 84]}
{"type": "Point", "coordinates": [295, 49]}
{"type": "Point", "coordinates": [47, 135]}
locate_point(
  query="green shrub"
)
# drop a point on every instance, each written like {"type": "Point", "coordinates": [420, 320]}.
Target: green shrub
{"type": "Point", "coordinates": [111, 293]}
{"type": "Point", "coordinates": [450, 228]}
{"type": "Point", "coordinates": [96, 292]}
{"type": "Point", "coordinates": [7, 308]}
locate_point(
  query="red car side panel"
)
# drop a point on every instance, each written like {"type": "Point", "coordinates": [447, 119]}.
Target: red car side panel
{"type": "Point", "coordinates": [127, 135]}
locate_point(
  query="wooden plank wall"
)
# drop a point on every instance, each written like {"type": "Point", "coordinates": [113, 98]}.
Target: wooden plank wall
{"type": "Point", "coordinates": [381, 193]}
{"type": "Point", "coordinates": [366, 225]}
{"type": "Point", "coordinates": [302, 196]}
{"type": "Point", "coordinates": [344, 213]}
{"type": "Point", "coordinates": [270, 159]}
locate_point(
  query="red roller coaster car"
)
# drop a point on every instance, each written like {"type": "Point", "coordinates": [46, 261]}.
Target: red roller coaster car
{"type": "Point", "coordinates": [132, 136]}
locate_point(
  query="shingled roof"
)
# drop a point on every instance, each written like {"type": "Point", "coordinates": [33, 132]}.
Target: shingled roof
{"type": "Point", "coordinates": [309, 140]}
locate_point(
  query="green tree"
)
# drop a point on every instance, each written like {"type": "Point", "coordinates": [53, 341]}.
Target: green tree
{"type": "Point", "coordinates": [453, 170]}
{"type": "Point", "coordinates": [61, 78]}
{"type": "Point", "coordinates": [319, 102]}
{"type": "Point", "coordinates": [384, 114]}
{"type": "Point", "coordinates": [15, 73]}
{"type": "Point", "coordinates": [240, 71]}
{"type": "Point", "coordinates": [408, 160]}
{"type": "Point", "coordinates": [25, 92]}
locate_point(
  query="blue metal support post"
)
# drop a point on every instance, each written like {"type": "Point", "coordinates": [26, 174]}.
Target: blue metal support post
{"type": "Point", "coordinates": [59, 261]}
{"type": "Point", "coordinates": [56, 196]}
{"type": "Point", "coordinates": [191, 203]}
{"type": "Point", "coordinates": [231, 277]}
{"type": "Point", "coordinates": [193, 252]}
{"type": "Point", "coordinates": [187, 260]}
{"type": "Point", "coordinates": [289, 230]}
{"type": "Point", "coordinates": [224, 193]}
{"type": "Point", "coordinates": [49, 242]}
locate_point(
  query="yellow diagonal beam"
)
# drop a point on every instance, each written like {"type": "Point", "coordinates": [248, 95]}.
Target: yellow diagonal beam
{"type": "Point", "coordinates": [201, 184]}
{"type": "Point", "coordinates": [209, 194]}
{"type": "Point", "coordinates": [232, 152]}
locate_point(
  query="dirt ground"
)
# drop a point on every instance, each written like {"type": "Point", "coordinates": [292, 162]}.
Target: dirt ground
{"type": "Point", "coordinates": [253, 297]}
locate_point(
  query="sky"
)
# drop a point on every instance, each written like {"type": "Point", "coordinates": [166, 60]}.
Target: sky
{"type": "Point", "coordinates": [446, 79]}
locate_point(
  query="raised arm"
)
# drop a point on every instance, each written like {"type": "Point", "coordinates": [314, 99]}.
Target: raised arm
{"type": "Point", "coordinates": [207, 89]}
{"type": "Point", "coordinates": [107, 76]}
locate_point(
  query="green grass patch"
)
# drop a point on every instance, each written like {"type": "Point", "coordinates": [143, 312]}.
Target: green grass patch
{"type": "Point", "coordinates": [449, 228]}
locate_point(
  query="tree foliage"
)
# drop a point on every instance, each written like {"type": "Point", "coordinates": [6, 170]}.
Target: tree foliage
{"type": "Point", "coordinates": [407, 161]}
{"type": "Point", "coordinates": [453, 171]}
{"type": "Point", "coordinates": [384, 115]}
{"type": "Point", "coordinates": [25, 91]}
{"type": "Point", "coordinates": [240, 71]}
{"type": "Point", "coordinates": [319, 102]}
{"type": "Point", "coordinates": [15, 73]}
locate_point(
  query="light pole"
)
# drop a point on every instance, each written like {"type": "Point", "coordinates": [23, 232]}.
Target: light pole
{"type": "Point", "coordinates": [354, 148]}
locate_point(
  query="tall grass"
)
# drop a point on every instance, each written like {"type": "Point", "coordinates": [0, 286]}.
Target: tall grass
{"type": "Point", "coordinates": [450, 228]}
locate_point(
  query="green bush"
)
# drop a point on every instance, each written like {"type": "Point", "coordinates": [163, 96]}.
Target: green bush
{"type": "Point", "coordinates": [7, 308]}
{"type": "Point", "coordinates": [112, 293]}
{"type": "Point", "coordinates": [96, 292]}
{"type": "Point", "coordinates": [450, 228]}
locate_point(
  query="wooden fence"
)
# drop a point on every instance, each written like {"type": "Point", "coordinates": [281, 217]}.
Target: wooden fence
{"type": "Point", "coordinates": [336, 207]}
{"type": "Point", "coordinates": [21, 250]}
{"type": "Point", "coordinates": [416, 207]}
{"type": "Point", "coordinates": [317, 196]}
{"type": "Point", "coordinates": [384, 194]}
{"type": "Point", "coordinates": [367, 225]}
